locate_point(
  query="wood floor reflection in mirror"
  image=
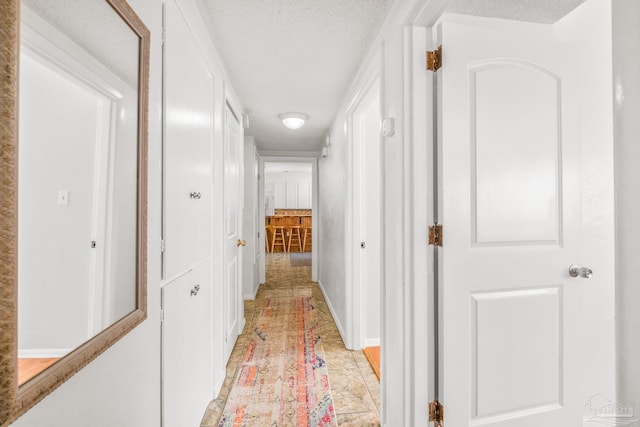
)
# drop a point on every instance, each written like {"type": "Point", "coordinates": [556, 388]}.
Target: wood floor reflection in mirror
{"type": "Point", "coordinates": [29, 368]}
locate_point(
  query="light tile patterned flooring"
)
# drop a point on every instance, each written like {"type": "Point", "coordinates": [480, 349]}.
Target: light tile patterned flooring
{"type": "Point", "coordinates": [354, 386]}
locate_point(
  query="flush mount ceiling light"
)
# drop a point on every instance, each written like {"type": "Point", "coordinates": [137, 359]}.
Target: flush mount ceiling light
{"type": "Point", "coordinates": [293, 120]}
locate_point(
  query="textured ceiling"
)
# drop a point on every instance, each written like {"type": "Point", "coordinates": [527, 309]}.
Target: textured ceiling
{"type": "Point", "coordinates": [542, 11]}
{"type": "Point", "coordinates": [98, 29]}
{"type": "Point", "coordinates": [292, 55]}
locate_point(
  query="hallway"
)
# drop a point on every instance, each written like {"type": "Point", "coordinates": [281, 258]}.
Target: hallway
{"type": "Point", "coordinates": [354, 387]}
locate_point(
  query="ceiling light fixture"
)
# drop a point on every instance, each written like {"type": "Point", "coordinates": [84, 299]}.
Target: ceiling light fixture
{"type": "Point", "coordinates": [293, 120]}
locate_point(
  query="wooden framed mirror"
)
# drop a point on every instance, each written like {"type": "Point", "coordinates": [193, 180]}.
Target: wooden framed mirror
{"type": "Point", "coordinates": [73, 189]}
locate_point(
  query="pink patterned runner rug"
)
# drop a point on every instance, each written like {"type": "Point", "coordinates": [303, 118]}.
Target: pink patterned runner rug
{"type": "Point", "coordinates": [282, 380]}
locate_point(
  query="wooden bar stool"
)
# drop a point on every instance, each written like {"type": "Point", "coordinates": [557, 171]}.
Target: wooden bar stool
{"type": "Point", "coordinates": [268, 236]}
{"type": "Point", "coordinates": [308, 232]}
{"type": "Point", "coordinates": [278, 238]}
{"type": "Point", "coordinates": [294, 234]}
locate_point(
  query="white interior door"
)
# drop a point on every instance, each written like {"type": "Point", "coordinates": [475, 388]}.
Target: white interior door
{"type": "Point", "coordinates": [512, 349]}
{"type": "Point", "coordinates": [233, 201]}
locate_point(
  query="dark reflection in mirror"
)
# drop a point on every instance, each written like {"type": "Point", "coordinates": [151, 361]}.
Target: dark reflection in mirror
{"type": "Point", "coordinates": [77, 183]}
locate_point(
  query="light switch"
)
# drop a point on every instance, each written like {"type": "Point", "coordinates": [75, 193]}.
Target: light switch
{"type": "Point", "coordinates": [63, 197]}
{"type": "Point", "coordinates": [388, 127]}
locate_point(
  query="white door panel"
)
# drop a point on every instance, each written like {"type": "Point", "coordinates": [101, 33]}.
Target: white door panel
{"type": "Point", "coordinates": [510, 201]}
{"type": "Point", "coordinates": [188, 121]}
{"type": "Point", "coordinates": [502, 349]}
{"type": "Point", "coordinates": [522, 144]}
{"type": "Point", "coordinates": [187, 341]}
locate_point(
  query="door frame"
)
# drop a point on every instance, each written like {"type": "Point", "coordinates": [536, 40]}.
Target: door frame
{"type": "Point", "coordinates": [419, 158]}
{"type": "Point", "coordinates": [250, 219]}
{"type": "Point", "coordinates": [313, 160]}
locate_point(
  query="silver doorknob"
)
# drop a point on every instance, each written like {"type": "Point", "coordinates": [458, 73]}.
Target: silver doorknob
{"type": "Point", "coordinates": [577, 271]}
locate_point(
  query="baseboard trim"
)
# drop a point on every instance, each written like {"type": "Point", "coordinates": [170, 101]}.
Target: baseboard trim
{"type": "Point", "coordinates": [219, 378]}
{"type": "Point", "coordinates": [252, 297]}
{"type": "Point", "coordinates": [372, 342]}
{"type": "Point", "coordinates": [336, 319]}
{"type": "Point", "coordinates": [43, 353]}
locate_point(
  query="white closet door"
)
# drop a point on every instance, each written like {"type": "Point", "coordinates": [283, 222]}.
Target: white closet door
{"type": "Point", "coordinates": [187, 347]}
{"type": "Point", "coordinates": [188, 121]}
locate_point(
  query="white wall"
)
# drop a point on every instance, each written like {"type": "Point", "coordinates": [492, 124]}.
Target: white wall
{"type": "Point", "coordinates": [626, 85]}
{"type": "Point", "coordinates": [397, 296]}
{"type": "Point", "coordinates": [332, 202]}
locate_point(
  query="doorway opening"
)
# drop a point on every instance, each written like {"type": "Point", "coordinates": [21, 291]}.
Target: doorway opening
{"type": "Point", "coordinates": [288, 208]}
{"type": "Point", "coordinates": [364, 259]}
{"type": "Point", "coordinates": [287, 214]}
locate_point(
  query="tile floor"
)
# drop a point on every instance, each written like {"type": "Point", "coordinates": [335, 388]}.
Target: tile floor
{"type": "Point", "coordinates": [354, 386]}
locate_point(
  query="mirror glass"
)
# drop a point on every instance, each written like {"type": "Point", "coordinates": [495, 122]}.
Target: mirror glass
{"type": "Point", "coordinates": [78, 176]}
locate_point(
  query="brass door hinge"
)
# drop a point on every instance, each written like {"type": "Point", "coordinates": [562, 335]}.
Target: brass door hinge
{"type": "Point", "coordinates": [436, 413]}
{"type": "Point", "coordinates": [435, 235]}
{"type": "Point", "coordinates": [434, 59]}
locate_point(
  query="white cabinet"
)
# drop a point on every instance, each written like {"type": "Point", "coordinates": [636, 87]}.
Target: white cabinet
{"type": "Point", "coordinates": [304, 195]}
{"type": "Point", "coordinates": [291, 194]}
{"type": "Point", "coordinates": [187, 347]}
{"type": "Point", "coordinates": [291, 190]}
{"type": "Point", "coordinates": [280, 194]}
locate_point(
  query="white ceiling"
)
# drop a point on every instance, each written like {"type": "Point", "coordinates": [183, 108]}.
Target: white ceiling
{"type": "Point", "coordinates": [292, 56]}
{"type": "Point", "coordinates": [542, 11]}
